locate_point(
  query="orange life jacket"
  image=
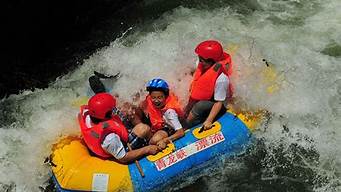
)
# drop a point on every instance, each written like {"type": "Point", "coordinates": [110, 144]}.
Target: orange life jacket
{"type": "Point", "coordinates": [203, 83]}
{"type": "Point", "coordinates": [94, 135]}
{"type": "Point", "coordinates": [155, 114]}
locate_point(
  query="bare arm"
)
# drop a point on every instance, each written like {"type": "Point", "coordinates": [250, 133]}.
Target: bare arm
{"type": "Point", "coordinates": [178, 134]}
{"type": "Point", "coordinates": [172, 121]}
{"type": "Point", "coordinates": [213, 113]}
{"type": "Point", "coordinates": [138, 153]}
{"type": "Point", "coordinates": [138, 113]}
{"type": "Point", "coordinates": [162, 144]}
{"type": "Point", "coordinates": [133, 113]}
{"type": "Point", "coordinates": [137, 116]}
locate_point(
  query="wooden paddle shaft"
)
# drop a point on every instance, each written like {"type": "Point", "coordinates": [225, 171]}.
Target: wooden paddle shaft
{"type": "Point", "coordinates": [136, 162]}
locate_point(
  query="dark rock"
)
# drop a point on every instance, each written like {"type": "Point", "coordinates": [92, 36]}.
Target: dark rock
{"type": "Point", "coordinates": [46, 39]}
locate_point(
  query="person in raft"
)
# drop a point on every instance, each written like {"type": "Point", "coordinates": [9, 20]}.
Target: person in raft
{"type": "Point", "coordinates": [105, 134]}
{"type": "Point", "coordinates": [210, 87]}
{"type": "Point", "coordinates": [162, 112]}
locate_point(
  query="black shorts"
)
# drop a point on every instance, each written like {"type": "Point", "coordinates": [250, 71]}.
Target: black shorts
{"type": "Point", "coordinates": [170, 131]}
{"type": "Point", "coordinates": [136, 142]}
{"type": "Point", "coordinates": [201, 110]}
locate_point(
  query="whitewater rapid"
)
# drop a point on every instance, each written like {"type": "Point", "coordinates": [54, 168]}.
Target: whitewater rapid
{"type": "Point", "coordinates": [300, 141]}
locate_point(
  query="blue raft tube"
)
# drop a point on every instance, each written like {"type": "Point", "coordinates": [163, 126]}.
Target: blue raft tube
{"type": "Point", "coordinates": [74, 169]}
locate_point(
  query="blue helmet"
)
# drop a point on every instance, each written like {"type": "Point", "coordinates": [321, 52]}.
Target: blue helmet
{"type": "Point", "coordinates": [158, 85]}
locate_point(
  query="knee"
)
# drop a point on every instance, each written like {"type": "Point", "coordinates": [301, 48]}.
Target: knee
{"type": "Point", "coordinates": [158, 136]}
{"type": "Point", "coordinates": [141, 130]}
{"type": "Point", "coordinates": [190, 117]}
{"type": "Point", "coordinates": [154, 140]}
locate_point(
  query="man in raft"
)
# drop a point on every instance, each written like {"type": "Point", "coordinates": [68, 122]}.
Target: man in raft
{"type": "Point", "coordinates": [210, 87]}
{"type": "Point", "coordinates": [105, 134]}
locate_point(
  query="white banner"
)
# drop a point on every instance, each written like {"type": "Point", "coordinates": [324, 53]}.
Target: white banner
{"type": "Point", "coordinates": [189, 150]}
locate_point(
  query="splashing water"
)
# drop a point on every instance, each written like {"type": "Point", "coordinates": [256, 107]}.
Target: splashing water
{"type": "Point", "coordinates": [299, 143]}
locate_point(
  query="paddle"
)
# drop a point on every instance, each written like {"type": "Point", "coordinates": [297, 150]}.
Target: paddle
{"type": "Point", "coordinates": [136, 162]}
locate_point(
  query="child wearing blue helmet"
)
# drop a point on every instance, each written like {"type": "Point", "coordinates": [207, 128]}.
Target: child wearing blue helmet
{"type": "Point", "coordinates": [162, 112]}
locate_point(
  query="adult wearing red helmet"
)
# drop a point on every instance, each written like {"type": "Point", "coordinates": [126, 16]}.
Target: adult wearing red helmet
{"type": "Point", "coordinates": [210, 86]}
{"type": "Point", "coordinates": [105, 134]}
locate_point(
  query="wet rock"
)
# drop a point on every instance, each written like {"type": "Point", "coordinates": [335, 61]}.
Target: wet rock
{"type": "Point", "coordinates": [46, 39]}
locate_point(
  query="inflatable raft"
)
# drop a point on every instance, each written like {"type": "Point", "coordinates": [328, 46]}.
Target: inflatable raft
{"type": "Point", "coordinates": [74, 169]}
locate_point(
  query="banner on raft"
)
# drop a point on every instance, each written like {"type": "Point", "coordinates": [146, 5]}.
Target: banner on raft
{"type": "Point", "coordinates": [189, 150]}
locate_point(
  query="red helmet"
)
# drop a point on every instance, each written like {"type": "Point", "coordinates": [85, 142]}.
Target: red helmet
{"type": "Point", "coordinates": [210, 49]}
{"type": "Point", "coordinates": [100, 104]}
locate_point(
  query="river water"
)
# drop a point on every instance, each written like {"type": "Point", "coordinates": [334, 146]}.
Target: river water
{"type": "Point", "coordinates": [298, 148]}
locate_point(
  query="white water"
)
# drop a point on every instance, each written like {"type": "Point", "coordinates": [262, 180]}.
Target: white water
{"type": "Point", "coordinates": [289, 34]}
